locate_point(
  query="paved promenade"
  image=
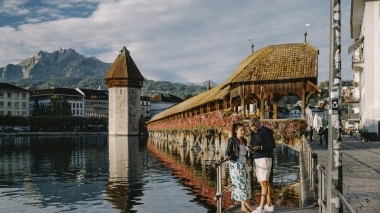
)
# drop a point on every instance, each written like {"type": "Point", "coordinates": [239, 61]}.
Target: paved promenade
{"type": "Point", "coordinates": [361, 175]}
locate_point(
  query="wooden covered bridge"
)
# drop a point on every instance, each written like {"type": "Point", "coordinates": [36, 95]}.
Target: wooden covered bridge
{"type": "Point", "coordinates": [254, 89]}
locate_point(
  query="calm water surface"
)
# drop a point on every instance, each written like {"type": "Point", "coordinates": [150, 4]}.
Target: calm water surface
{"type": "Point", "coordinates": [110, 174]}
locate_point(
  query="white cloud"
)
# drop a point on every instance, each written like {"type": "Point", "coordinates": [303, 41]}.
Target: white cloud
{"type": "Point", "coordinates": [177, 41]}
{"type": "Point", "coordinates": [13, 7]}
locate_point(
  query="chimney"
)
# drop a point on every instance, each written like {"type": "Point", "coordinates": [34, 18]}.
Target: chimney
{"type": "Point", "coordinates": [208, 86]}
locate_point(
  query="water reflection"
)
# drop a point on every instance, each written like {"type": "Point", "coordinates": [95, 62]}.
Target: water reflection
{"type": "Point", "coordinates": [115, 174]}
{"type": "Point", "coordinates": [125, 171]}
{"type": "Point", "coordinates": [195, 166]}
{"type": "Point", "coordinates": [50, 174]}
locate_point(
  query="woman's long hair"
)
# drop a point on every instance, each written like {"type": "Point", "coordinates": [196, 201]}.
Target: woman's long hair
{"type": "Point", "coordinates": [235, 127]}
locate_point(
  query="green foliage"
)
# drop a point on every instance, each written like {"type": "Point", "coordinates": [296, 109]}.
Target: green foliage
{"type": "Point", "coordinates": [55, 123]}
{"type": "Point", "coordinates": [150, 87]}
{"type": "Point", "coordinates": [59, 106]}
{"type": "Point", "coordinates": [363, 132]}
{"type": "Point", "coordinates": [288, 100]}
{"type": "Point", "coordinates": [348, 83]}
{"type": "Point", "coordinates": [183, 91]}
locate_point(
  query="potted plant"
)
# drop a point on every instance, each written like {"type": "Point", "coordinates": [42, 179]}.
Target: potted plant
{"type": "Point", "coordinates": [363, 134]}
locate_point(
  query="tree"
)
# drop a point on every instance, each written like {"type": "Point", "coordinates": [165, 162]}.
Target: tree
{"type": "Point", "coordinates": [39, 109]}
{"type": "Point", "coordinates": [59, 106]}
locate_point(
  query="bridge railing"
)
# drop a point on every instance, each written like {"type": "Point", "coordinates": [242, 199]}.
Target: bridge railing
{"type": "Point", "coordinates": [318, 179]}
{"type": "Point", "coordinates": [219, 191]}
{"type": "Point", "coordinates": [322, 174]}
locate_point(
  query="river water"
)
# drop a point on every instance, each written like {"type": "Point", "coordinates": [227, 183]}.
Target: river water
{"type": "Point", "coordinates": [101, 173]}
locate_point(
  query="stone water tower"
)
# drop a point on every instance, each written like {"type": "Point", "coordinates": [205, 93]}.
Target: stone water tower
{"type": "Point", "coordinates": [124, 82]}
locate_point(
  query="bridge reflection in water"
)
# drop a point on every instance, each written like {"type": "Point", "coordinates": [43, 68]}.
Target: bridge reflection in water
{"type": "Point", "coordinates": [194, 166]}
{"type": "Point", "coordinates": [100, 173]}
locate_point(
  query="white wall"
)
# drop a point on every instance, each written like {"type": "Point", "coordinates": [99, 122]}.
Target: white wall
{"type": "Point", "coordinates": [370, 101]}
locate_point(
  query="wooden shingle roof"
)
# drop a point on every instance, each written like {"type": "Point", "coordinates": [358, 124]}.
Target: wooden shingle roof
{"type": "Point", "coordinates": [216, 93]}
{"type": "Point", "coordinates": [124, 68]}
{"type": "Point", "coordinates": [274, 62]}
{"type": "Point", "coordinates": [278, 62]}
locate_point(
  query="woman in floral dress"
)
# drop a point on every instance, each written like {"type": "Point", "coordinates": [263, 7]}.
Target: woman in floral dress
{"type": "Point", "coordinates": [236, 152]}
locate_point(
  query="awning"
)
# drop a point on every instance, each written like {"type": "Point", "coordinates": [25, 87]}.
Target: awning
{"type": "Point", "coordinates": [355, 45]}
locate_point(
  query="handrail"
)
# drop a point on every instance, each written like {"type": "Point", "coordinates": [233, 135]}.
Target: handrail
{"type": "Point", "coordinates": [219, 192]}
{"type": "Point", "coordinates": [344, 201]}
{"type": "Point", "coordinates": [321, 188]}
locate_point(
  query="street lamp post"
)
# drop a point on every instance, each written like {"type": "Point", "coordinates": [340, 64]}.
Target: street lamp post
{"type": "Point", "coordinates": [334, 167]}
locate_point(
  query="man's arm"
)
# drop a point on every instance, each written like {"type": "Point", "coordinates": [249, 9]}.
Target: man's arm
{"type": "Point", "coordinates": [270, 144]}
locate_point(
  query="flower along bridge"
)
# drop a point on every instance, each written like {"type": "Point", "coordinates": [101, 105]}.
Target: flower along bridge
{"type": "Point", "coordinates": [253, 90]}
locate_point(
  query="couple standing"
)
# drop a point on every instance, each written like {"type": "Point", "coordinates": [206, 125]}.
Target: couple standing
{"type": "Point", "coordinates": [241, 154]}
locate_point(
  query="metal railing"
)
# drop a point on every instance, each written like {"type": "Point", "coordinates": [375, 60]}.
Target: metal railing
{"type": "Point", "coordinates": [219, 191]}
{"type": "Point", "coordinates": [321, 187]}
{"type": "Point", "coordinates": [317, 176]}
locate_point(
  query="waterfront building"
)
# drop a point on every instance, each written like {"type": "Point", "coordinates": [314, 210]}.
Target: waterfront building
{"type": "Point", "coordinates": [96, 102]}
{"type": "Point", "coordinates": [13, 100]}
{"type": "Point", "coordinates": [162, 102]}
{"type": "Point", "coordinates": [73, 96]}
{"type": "Point", "coordinates": [124, 82]}
{"type": "Point", "coordinates": [145, 106]}
{"type": "Point", "coordinates": [365, 31]}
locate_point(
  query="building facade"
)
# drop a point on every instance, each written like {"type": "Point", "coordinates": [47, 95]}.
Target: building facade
{"type": "Point", "coordinates": [74, 98]}
{"type": "Point", "coordinates": [145, 106]}
{"type": "Point", "coordinates": [14, 101]}
{"type": "Point", "coordinates": [96, 103]}
{"type": "Point", "coordinates": [162, 102]}
{"type": "Point", "coordinates": [365, 31]}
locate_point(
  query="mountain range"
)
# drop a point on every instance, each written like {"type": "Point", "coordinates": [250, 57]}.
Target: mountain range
{"type": "Point", "coordinates": [62, 63]}
{"type": "Point", "coordinates": [67, 68]}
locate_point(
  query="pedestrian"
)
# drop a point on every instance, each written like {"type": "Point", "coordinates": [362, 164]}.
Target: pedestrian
{"type": "Point", "coordinates": [237, 153]}
{"type": "Point", "coordinates": [320, 134]}
{"type": "Point", "coordinates": [326, 135]}
{"type": "Point", "coordinates": [311, 134]}
{"type": "Point", "coordinates": [262, 145]}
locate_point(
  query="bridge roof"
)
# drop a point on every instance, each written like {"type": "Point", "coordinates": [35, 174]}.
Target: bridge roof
{"type": "Point", "coordinates": [278, 62]}
{"type": "Point", "coordinates": [216, 93]}
{"type": "Point", "coordinates": [272, 63]}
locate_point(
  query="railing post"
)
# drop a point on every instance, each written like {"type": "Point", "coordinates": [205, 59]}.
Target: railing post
{"type": "Point", "coordinates": [219, 193]}
{"type": "Point", "coordinates": [309, 159]}
{"type": "Point", "coordinates": [321, 189]}
{"type": "Point", "coordinates": [315, 178]}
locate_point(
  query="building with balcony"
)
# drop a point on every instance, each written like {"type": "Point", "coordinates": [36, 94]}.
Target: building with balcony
{"type": "Point", "coordinates": [14, 100]}
{"type": "Point", "coordinates": [365, 31]}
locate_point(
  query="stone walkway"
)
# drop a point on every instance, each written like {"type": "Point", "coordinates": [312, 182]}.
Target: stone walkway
{"type": "Point", "coordinates": [361, 172]}
{"type": "Point", "coordinates": [361, 175]}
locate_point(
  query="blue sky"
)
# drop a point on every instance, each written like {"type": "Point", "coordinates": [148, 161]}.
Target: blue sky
{"type": "Point", "coordinates": [170, 40]}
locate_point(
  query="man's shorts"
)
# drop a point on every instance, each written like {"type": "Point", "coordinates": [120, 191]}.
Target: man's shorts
{"type": "Point", "coordinates": [263, 168]}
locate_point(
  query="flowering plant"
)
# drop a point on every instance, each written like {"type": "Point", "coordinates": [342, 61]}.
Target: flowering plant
{"type": "Point", "coordinates": [286, 129]}
{"type": "Point", "coordinates": [217, 120]}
